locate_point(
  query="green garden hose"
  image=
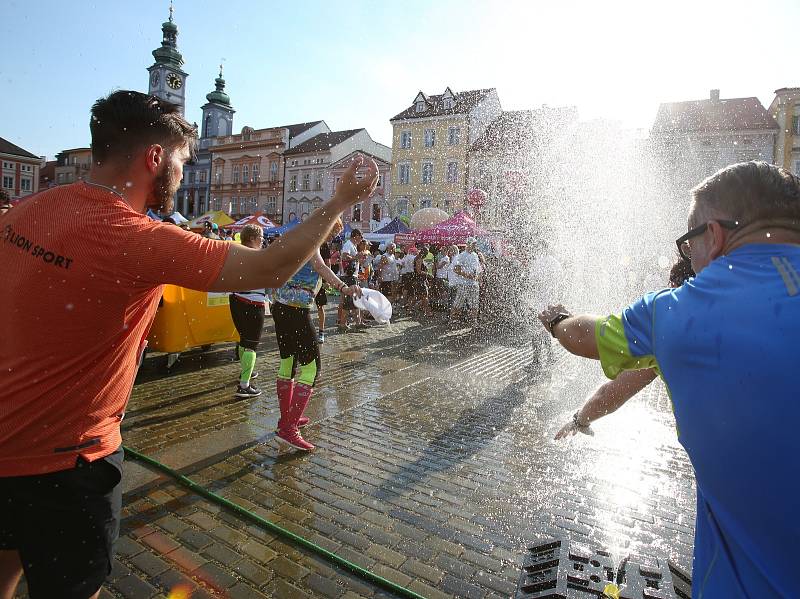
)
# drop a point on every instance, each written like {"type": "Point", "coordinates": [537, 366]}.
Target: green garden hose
{"type": "Point", "coordinates": [401, 591]}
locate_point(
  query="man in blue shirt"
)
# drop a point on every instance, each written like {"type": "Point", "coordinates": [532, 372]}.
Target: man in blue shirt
{"type": "Point", "coordinates": [727, 345]}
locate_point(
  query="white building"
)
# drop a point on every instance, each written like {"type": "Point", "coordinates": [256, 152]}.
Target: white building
{"type": "Point", "coordinates": [308, 180]}
{"type": "Point", "coordinates": [694, 139]}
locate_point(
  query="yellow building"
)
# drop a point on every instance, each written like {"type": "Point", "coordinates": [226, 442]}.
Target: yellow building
{"type": "Point", "coordinates": [430, 145]}
{"type": "Point", "coordinates": [785, 109]}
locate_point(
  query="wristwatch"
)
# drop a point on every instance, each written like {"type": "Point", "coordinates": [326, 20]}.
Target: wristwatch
{"type": "Point", "coordinates": [551, 324]}
{"type": "Point", "coordinates": [577, 423]}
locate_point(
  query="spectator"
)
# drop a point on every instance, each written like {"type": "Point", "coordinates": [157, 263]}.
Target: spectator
{"type": "Point", "coordinates": [725, 344]}
{"type": "Point", "coordinates": [388, 272]}
{"type": "Point", "coordinates": [421, 280]}
{"type": "Point", "coordinates": [210, 231]}
{"type": "Point", "coordinates": [467, 269]}
{"type": "Point", "coordinates": [350, 249]}
{"type": "Point", "coordinates": [407, 276]}
{"type": "Point", "coordinates": [67, 377]}
{"type": "Point", "coordinates": [321, 300]}
{"type": "Point", "coordinates": [440, 280]}
{"type": "Point", "coordinates": [347, 309]}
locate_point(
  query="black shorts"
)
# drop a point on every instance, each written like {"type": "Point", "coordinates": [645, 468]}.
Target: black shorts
{"type": "Point", "coordinates": [64, 525]}
{"type": "Point", "coordinates": [419, 284]}
{"type": "Point", "coordinates": [322, 297]}
{"type": "Point", "coordinates": [296, 335]}
{"type": "Point", "coordinates": [248, 319]}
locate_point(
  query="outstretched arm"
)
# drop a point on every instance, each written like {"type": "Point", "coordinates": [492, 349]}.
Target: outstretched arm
{"type": "Point", "coordinates": [247, 268]}
{"type": "Point", "coordinates": [318, 264]}
{"type": "Point", "coordinates": [575, 333]}
{"type": "Point", "coordinates": [607, 398]}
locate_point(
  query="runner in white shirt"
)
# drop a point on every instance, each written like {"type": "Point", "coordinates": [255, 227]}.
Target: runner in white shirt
{"type": "Point", "coordinates": [350, 251]}
{"type": "Point", "coordinates": [388, 272]}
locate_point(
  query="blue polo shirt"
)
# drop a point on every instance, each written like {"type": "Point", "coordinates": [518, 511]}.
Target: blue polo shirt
{"type": "Point", "coordinates": [727, 345]}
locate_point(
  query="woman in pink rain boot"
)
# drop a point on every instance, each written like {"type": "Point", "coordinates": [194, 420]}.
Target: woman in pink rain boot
{"type": "Point", "coordinates": [298, 343]}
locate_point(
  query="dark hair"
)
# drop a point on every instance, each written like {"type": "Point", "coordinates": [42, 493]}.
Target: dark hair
{"type": "Point", "coordinates": [748, 192]}
{"type": "Point", "coordinates": [355, 232]}
{"type": "Point", "coordinates": [350, 269]}
{"type": "Point", "coordinates": [680, 272]}
{"type": "Point", "coordinates": [250, 232]}
{"type": "Point", "coordinates": [169, 220]}
{"type": "Point", "coordinates": [125, 121]}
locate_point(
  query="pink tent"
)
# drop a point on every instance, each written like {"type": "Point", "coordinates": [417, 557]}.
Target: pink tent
{"type": "Point", "coordinates": [455, 230]}
{"type": "Point", "coordinates": [258, 219]}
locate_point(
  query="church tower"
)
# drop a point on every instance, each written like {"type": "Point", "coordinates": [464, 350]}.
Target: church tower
{"type": "Point", "coordinates": [217, 113]}
{"type": "Point", "coordinates": [167, 78]}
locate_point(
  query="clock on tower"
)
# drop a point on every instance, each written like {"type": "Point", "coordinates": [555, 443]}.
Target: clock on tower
{"type": "Point", "coordinates": [167, 78]}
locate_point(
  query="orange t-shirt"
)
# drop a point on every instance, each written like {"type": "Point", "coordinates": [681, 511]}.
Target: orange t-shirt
{"type": "Point", "coordinates": [82, 274]}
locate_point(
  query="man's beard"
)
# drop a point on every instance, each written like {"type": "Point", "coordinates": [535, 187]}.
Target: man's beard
{"type": "Point", "coordinates": [161, 198]}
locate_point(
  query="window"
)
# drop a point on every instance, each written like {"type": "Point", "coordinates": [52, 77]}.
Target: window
{"type": "Point", "coordinates": [405, 140]}
{"type": "Point", "coordinates": [253, 205]}
{"type": "Point", "coordinates": [430, 138]}
{"type": "Point", "coordinates": [60, 178]}
{"type": "Point", "coordinates": [7, 165]}
{"type": "Point", "coordinates": [318, 181]}
{"type": "Point", "coordinates": [402, 207]}
{"type": "Point", "coordinates": [217, 203]}
{"type": "Point", "coordinates": [242, 205]}
{"type": "Point", "coordinates": [380, 180]}
{"type": "Point", "coordinates": [272, 205]}
{"type": "Point", "coordinates": [294, 162]}
{"type": "Point", "coordinates": [421, 106]}
{"type": "Point", "coordinates": [448, 103]}
{"type": "Point", "coordinates": [376, 212]}
{"type": "Point", "coordinates": [245, 174]}
{"type": "Point", "coordinates": [255, 173]}
{"type": "Point", "coordinates": [202, 176]}
{"type": "Point", "coordinates": [293, 183]}
{"type": "Point", "coordinates": [306, 181]}
{"type": "Point", "coordinates": [453, 136]}
{"type": "Point", "coordinates": [192, 176]}
{"type": "Point", "coordinates": [452, 172]}
{"type": "Point", "coordinates": [404, 174]}
{"type": "Point", "coordinates": [273, 171]}
{"type": "Point", "coordinates": [357, 213]}
{"type": "Point", "coordinates": [796, 125]}
{"type": "Point", "coordinates": [8, 182]}
{"type": "Point", "coordinates": [427, 173]}
{"type": "Point", "coordinates": [25, 184]}
{"type": "Point", "coordinates": [218, 176]}
{"type": "Point", "coordinates": [236, 174]}
{"type": "Point", "coordinates": [797, 168]}
{"type": "Point", "coordinates": [425, 202]}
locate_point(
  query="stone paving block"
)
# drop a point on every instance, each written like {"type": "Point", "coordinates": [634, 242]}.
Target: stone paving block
{"type": "Point", "coordinates": [195, 539]}
{"type": "Point", "coordinates": [258, 551]}
{"type": "Point", "coordinates": [171, 578]}
{"type": "Point", "coordinates": [460, 588]}
{"type": "Point", "coordinates": [149, 563]}
{"type": "Point", "coordinates": [185, 560]}
{"type": "Point", "coordinates": [203, 519]}
{"type": "Point", "coordinates": [427, 591]}
{"type": "Point", "coordinates": [243, 591]}
{"type": "Point", "coordinates": [385, 555]}
{"type": "Point", "coordinates": [391, 574]}
{"type": "Point", "coordinates": [118, 570]}
{"type": "Point", "coordinates": [284, 590]}
{"type": "Point", "coordinates": [227, 534]}
{"type": "Point", "coordinates": [125, 546]}
{"type": "Point", "coordinates": [417, 569]}
{"type": "Point", "coordinates": [253, 572]}
{"type": "Point", "coordinates": [287, 568]}
{"type": "Point", "coordinates": [482, 560]}
{"type": "Point", "coordinates": [503, 586]}
{"type": "Point", "coordinates": [324, 586]}
{"type": "Point", "coordinates": [160, 542]}
{"type": "Point", "coordinates": [222, 554]}
{"type": "Point", "coordinates": [455, 567]}
{"type": "Point", "coordinates": [171, 524]}
{"type": "Point", "coordinates": [132, 587]}
{"type": "Point", "coordinates": [214, 576]}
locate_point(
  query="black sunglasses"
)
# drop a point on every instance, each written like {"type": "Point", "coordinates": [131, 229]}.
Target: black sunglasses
{"type": "Point", "coordinates": [683, 241]}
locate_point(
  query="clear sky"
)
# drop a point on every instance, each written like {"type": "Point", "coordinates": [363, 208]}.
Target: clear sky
{"type": "Point", "coordinates": [358, 63]}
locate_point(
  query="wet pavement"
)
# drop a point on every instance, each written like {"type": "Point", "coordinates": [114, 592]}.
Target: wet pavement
{"type": "Point", "coordinates": [435, 467]}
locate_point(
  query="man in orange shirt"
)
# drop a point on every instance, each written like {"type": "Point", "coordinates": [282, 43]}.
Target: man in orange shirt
{"type": "Point", "coordinates": [74, 319]}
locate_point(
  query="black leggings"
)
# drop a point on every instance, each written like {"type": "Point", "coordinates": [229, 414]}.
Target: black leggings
{"type": "Point", "coordinates": [296, 335]}
{"type": "Point", "coordinates": [249, 321]}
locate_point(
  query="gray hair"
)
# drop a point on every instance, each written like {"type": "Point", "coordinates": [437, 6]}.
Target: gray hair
{"type": "Point", "coordinates": [749, 192]}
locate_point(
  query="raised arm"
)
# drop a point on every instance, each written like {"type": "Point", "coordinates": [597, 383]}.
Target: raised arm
{"type": "Point", "coordinates": [607, 398]}
{"type": "Point", "coordinates": [247, 268]}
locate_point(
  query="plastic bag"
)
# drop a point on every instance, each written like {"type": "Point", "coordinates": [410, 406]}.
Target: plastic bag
{"type": "Point", "coordinates": [375, 303]}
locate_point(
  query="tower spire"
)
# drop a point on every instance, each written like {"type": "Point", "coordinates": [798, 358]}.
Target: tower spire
{"type": "Point", "coordinates": [170, 11]}
{"type": "Point", "coordinates": [168, 53]}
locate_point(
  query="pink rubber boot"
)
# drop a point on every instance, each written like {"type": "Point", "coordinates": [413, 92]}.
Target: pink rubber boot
{"type": "Point", "coordinates": [290, 434]}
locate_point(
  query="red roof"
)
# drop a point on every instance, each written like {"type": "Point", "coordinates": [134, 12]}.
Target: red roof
{"type": "Point", "coordinates": [700, 116]}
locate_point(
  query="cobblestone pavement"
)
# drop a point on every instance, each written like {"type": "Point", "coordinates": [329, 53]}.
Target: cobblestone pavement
{"type": "Point", "coordinates": [435, 467]}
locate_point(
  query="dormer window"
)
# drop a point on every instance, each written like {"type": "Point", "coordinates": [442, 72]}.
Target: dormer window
{"type": "Point", "coordinates": [421, 106]}
{"type": "Point", "coordinates": [448, 103]}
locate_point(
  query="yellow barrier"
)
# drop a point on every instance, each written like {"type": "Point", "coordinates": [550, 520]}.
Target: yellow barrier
{"type": "Point", "coordinates": [188, 318]}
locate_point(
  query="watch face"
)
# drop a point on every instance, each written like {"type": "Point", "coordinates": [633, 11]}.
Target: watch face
{"type": "Point", "coordinates": [174, 81]}
{"type": "Point", "coordinates": [154, 79]}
